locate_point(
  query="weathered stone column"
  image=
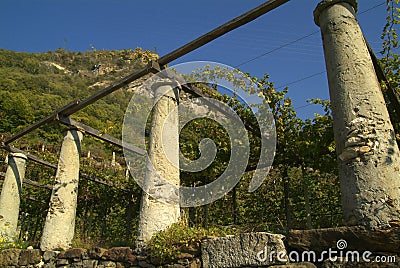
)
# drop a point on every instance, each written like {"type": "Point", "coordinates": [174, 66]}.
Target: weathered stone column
{"type": "Point", "coordinates": [59, 227]}
{"type": "Point", "coordinates": [162, 165]}
{"type": "Point", "coordinates": [368, 155]}
{"type": "Point", "coordinates": [10, 197]}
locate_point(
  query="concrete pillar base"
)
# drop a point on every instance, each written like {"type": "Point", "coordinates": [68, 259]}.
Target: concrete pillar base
{"type": "Point", "coordinates": [163, 164]}
{"type": "Point", "coordinates": [368, 155]}
{"type": "Point", "coordinates": [59, 227]}
{"type": "Point", "coordinates": [10, 197]}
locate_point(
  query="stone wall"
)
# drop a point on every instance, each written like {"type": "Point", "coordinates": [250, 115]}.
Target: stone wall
{"type": "Point", "coordinates": [242, 250]}
{"type": "Point", "coordinates": [117, 257]}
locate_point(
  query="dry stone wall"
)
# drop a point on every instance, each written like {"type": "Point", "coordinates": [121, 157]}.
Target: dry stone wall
{"type": "Point", "coordinates": [242, 250]}
{"type": "Point", "coordinates": [87, 258]}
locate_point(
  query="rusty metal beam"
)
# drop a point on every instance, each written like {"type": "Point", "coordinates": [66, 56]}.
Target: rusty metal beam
{"type": "Point", "coordinates": [152, 67]}
{"type": "Point", "coordinates": [391, 93]}
{"type": "Point", "coordinates": [223, 109]}
{"type": "Point", "coordinates": [36, 184]}
{"type": "Point", "coordinates": [75, 106]}
{"type": "Point", "coordinates": [29, 182]}
{"type": "Point", "coordinates": [51, 118]}
{"type": "Point", "coordinates": [54, 166]}
{"type": "Point", "coordinates": [31, 157]}
{"type": "Point", "coordinates": [104, 137]}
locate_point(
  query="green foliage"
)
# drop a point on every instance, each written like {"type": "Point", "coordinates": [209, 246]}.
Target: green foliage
{"type": "Point", "coordinates": [302, 145]}
{"type": "Point", "coordinates": [168, 244]}
{"type": "Point", "coordinates": [391, 62]}
{"type": "Point", "coordinates": [34, 85]}
{"type": "Point", "coordinates": [12, 242]}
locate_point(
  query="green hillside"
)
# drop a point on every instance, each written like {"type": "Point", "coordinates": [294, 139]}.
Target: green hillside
{"type": "Point", "coordinates": [34, 85]}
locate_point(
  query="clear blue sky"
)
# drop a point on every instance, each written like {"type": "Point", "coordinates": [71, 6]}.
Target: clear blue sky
{"type": "Point", "coordinates": [43, 25]}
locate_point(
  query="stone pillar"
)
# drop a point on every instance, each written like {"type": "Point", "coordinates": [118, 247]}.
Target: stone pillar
{"type": "Point", "coordinates": [11, 195]}
{"type": "Point", "coordinates": [59, 227]}
{"type": "Point", "coordinates": [368, 155]}
{"type": "Point", "coordinates": [162, 165]}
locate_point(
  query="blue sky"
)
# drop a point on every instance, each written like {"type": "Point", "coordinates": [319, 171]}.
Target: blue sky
{"type": "Point", "coordinates": [43, 25]}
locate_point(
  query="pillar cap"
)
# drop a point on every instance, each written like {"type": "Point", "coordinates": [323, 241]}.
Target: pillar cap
{"type": "Point", "coordinates": [172, 92]}
{"type": "Point", "coordinates": [19, 155]}
{"type": "Point", "coordinates": [327, 3]}
{"type": "Point", "coordinates": [167, 81]}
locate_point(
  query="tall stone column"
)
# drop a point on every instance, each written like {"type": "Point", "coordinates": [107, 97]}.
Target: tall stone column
{"type": "Point", "coordinates": [59, 227]}
{"type": "Point", "coordinates": [367, 151]}
{"type": "Point", "coordinates": [162, 165]}
{"type": "Point", "coordinates": [10, 197]}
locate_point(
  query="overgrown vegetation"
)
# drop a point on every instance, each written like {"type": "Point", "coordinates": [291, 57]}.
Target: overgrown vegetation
{"type": "Point", "coordinates": [166, 245]}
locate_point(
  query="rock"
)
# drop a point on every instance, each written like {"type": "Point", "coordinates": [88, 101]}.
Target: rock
{"type": "Point", "coordinates": [349, 153]}
{"type": "Point", "coordinates": [120, 265]}
{"type": "Point", "coordinates": [191, 249]}
{"type": "Point", "coordinates": [89, 263]}
{"type": "Point", "coordinates": [62, 262]}
{"type": "Point", "coordinates": [141, 258]}
{"type": "Point", "coordinates": [96, 253]}
{"type": "Point", "coordinates": [49, 265]}
{"type": "Point", "coordinates": [176, 265]}
{"type": "Point", "coordinates": [184, 255]}
{"type": "Point", "coordinates": [364, 149]}
{"type": "Point", "coordinates": [356, 237]}
{"type": "Point", "coordinates": [49, 254]}
{"type": "Point", "coordinates": [107, 264]}
{"type": "Point", "coordinates": [145, 264]}
{"type": "Point", "coordinates": [196, 263]}
{"type": "Point", "coordinates": [121, 254]}
{"type": "Point", "coordinates": [248, 249]}
{"type": "Point", "coordinates": [77, 264]}
{"type": "Point", "coordinates": [184, 262]}
{"type": "Point", "coordinates": [29, 256]}
{"type": "Point", "coordinates": [9, 257]}
{"type": "Point", "coordinates": [353, 141]}
{"type": "Point", "coordinates": [74, 253]}
{"type": "Point", "coordinates": [155, 260]}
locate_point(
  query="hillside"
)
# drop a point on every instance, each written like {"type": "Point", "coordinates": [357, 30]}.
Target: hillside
{"type": "Point", "coordinates": [34, 85]}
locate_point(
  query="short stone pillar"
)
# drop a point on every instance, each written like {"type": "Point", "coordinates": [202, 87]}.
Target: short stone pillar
{"type": "Point", "coordinates": [162, 165]}
{"type": "Point", "coordinates": [59, 227]}
{"type": "Point", "coordinates": [367, 151]}
{"type": "Point", "coordinates": [10, 197]}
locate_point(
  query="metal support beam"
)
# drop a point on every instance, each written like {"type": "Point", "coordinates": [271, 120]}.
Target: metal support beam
{"type": "Point", "coordinates": [54, 166]}
{"type": "Point", "coordinates": [75, 106]}
{"type": "Point", "coordinates": [199, 93]}
{"type": "Point", "coordinates": [30, 156]}
{"type": "Point", "coordinates": [152, 67]}
{"type": "Point", "coordinates": [29, 182]}
{"type": "Point", "coordinates": [104, 137]}
{"type": "Point", "coordinates": [51, 118]}
{"type": "Point", "coordinates": [393, 98]}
